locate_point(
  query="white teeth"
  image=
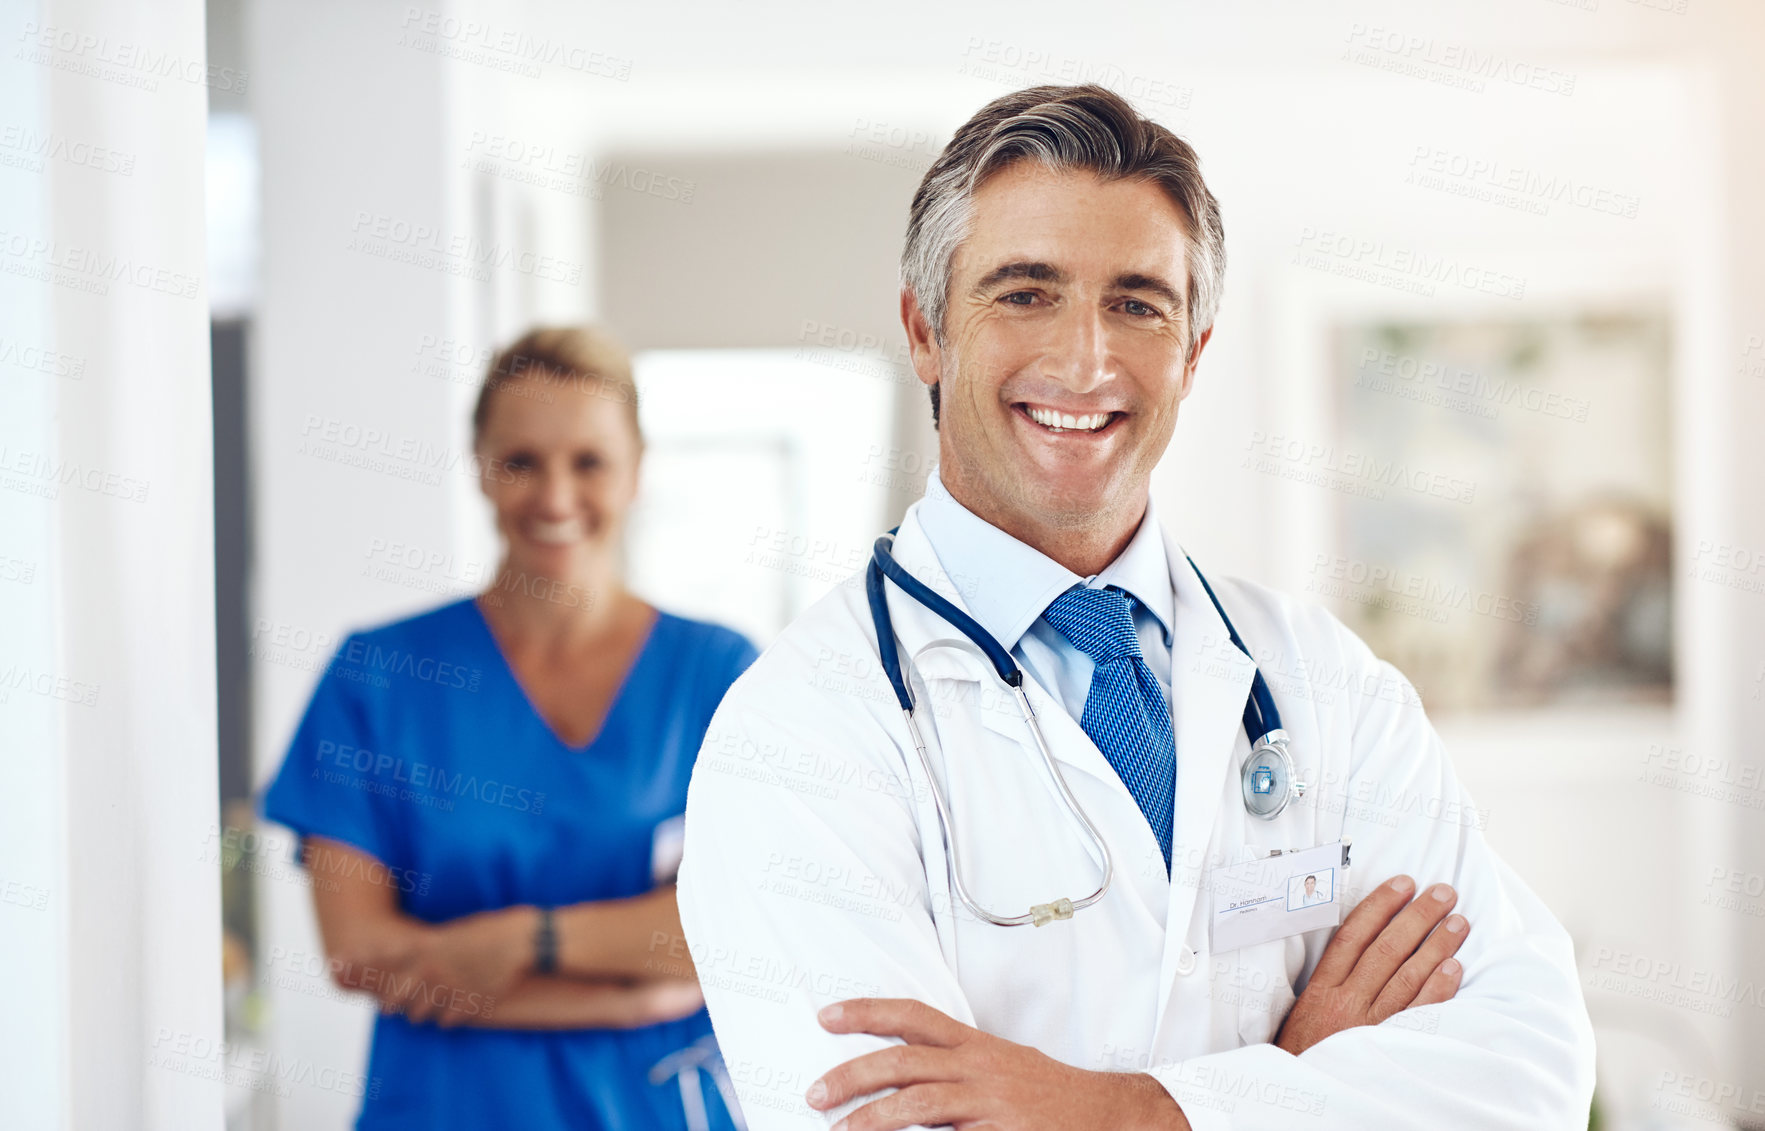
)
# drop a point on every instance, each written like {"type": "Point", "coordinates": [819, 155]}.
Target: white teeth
{"type": "Point", "coordinates": [1067, 422]}
{"type": "Point", "coordinates": [570, 530]}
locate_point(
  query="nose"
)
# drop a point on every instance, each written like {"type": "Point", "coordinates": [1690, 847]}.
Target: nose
{"type": "Point", "coordinates": [556, 493]}
{"type": "Point", "coordinates": [1078, 358]}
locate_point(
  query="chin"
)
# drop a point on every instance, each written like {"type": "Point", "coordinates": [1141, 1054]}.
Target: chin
{"type": "Point", "coordinates": [1064, 500]}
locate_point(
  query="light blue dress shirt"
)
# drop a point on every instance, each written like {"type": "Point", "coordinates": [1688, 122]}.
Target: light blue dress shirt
{"type": "Point", "coordinates": [1006, 585]}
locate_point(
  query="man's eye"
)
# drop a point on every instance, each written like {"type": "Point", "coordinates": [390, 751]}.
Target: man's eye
{"type": "Point", "coordinates": [1019, 298]}
{"type": "Point", "coordinates": [520, 461]}
{"type": "Point", "coordinates": [587, 462]}
{"type": "Point", "coordinates": [1138, 309]}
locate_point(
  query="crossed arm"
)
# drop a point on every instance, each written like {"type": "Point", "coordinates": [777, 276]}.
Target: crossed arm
{"type": "Point", "coordinates": [1392, 953]}
{"type": "Point", "coordinates": [477, 970]}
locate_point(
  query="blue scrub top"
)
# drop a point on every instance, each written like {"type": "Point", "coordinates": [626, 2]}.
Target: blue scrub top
{"type": "Point", "coordinates": [421, 749]}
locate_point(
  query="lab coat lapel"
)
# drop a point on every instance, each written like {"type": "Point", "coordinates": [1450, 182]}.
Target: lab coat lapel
{"type": "Point", "coordinates": [1210, 683]}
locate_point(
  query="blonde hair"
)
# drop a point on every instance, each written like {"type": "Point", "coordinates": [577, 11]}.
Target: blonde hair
{"type": "Point", "coordinates": [584, 357]}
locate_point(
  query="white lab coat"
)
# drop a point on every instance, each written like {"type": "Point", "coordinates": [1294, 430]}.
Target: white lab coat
{"type": "Point", "coordinates": [815, 871]}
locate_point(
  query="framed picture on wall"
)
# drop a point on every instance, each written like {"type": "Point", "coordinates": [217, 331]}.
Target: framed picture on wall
{"type": "Point", "coordinates": [1539, 573]}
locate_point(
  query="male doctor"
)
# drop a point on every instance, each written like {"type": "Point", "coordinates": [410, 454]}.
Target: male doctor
{"type": "Point", "coordinates": [1063, 263]}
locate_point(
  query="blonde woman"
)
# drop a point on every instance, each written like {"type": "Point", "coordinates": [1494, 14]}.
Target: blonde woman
{"type": "Point", "coordinates": [489, 795]}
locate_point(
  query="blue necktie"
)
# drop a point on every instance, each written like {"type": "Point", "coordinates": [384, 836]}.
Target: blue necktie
{"type": "Point", "coordinates": [1126, 713]}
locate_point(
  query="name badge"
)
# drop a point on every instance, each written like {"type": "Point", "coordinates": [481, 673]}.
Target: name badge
{"type": "Point", "coordinates": [1278, 895]}
{"type": "Point", "coordinates": [667, 846]}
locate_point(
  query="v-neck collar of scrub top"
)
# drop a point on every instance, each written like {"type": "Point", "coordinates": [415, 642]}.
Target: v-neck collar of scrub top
{"type": "Point", "coordinates": [607, 720]}
{"type": "Point", "coordinates": [1007, 584]}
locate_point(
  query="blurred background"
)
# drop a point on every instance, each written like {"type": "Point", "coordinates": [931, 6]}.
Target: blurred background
{"type": "Point", "coordinates": [1487, 381]}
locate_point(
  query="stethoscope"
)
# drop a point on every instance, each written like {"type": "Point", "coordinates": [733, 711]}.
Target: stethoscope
{"type": "Point", "coordinates": [1268, 780]}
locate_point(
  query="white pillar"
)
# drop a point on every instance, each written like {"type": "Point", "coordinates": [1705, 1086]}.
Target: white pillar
{"type": "Point", "coordinates": [109, 910]}
{"type": "Point", "coordinates": [358, 421]}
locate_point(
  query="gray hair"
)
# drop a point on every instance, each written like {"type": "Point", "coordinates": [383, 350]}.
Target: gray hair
{"type": "Point", "coordinates": [1065, 128]}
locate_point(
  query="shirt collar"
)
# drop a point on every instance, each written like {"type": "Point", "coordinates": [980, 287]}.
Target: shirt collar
{"type": "Point", "coordinates": [1143, 571]}
{"type": "Point", "coordinates": [1006, 584]}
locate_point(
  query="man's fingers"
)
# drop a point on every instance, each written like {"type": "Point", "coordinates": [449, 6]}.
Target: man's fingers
{"type": "Point", "coordinates": [1400, 992]}
{"type": "Point", "coordinates": [894, 1067]}
{"type": "Point", "coordinates": [1360, 928]}
{"type": "Point", "coordinates": [1441, 984]}
{"type": "Point", "coordinates": [932, 1105]}
{"type": "Point", "coordinates": [913, 1021]}
{"type": "Point", "coordinates": [1400, 938]}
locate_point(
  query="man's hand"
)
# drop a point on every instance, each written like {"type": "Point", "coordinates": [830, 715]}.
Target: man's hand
{"type": "Point", "coordinates": [949, 1073]}
{"type": "Point", "coordinates": [1385, 958]}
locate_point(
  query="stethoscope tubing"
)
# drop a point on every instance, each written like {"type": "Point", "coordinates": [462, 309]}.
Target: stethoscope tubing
{"type": "Point", "coordinates": [1262, 721]}
{"type": "Point", "coordinates": [882, 562]}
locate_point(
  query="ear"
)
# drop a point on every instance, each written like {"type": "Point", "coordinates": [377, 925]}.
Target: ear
{"type": "Point", "coordinates": [1194, 361]}
{"type": "Point", "coordinates": [922, 343]}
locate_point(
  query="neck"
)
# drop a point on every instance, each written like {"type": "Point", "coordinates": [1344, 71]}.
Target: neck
{"type": "Point", "coordinates": [1085, 547]}
{"type": "Point", "coordinates": [554, 611]}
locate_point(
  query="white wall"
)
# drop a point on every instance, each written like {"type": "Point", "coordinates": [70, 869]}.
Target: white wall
{"type": "Point", "coordinates": [1557, 786]}
{"type": "Point", "coordinates": [109, 907]}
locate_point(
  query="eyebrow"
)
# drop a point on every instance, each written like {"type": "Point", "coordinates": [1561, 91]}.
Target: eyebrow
{"type": "Point", "coordinates": [1035, 272]}
{"type": "Point", "coordinates": [1152, 283]}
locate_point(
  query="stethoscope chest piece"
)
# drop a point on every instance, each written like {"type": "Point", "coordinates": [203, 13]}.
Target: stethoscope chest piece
{"type": "Point", "coordinates": [1269, 781]}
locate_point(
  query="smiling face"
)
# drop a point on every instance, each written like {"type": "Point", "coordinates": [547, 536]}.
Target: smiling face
{"type": "Point", "coordinates": [1066, 351]}
{"type": "Point", "coordinates": [1311, 884]}
{"type": "Point", "coordinates": [560, 467]}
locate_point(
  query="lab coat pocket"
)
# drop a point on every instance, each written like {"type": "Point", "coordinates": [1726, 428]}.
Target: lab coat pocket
{"type": "Point", "coordinates": [1259, 981]}
{"type": "Point", "coordinates": [1261, 978]}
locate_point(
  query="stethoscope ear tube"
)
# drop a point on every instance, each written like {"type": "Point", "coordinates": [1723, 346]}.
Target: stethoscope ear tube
{"type": "Point", "coordinates": [881, 559]}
